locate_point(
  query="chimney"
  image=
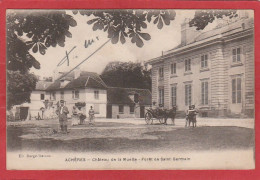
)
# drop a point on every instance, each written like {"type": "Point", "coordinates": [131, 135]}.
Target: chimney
{"type": "Point", "coordinates": [188, 33]}
{"type": "Point", "coordinates": [242, 14]}
{"type": "Point", "coordinates": [77, 72]}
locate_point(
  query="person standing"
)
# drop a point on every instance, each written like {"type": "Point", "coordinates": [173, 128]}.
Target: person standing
{"type": "Point", "coordinates": [91, 115]}
{"type": "Point", "coordinates": [63, 120]}
{"type": "Point", "coordinates": [74, 116]}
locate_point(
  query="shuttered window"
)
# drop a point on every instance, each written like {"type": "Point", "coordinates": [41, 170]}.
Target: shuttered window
{"type": "Point", "coordinates": [174, 95]}
{"type": "Point", "coordinates": [188, 94]}
{"type": "Point", "coordinates": [236, 90]}
{"type": "Point", "coordinates": [204, 93]}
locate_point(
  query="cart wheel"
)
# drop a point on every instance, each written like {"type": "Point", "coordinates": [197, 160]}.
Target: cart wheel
{"type": "Point", "coordinates": [161, 120]}
{"type": "Point", "coordinates": [148, 118]}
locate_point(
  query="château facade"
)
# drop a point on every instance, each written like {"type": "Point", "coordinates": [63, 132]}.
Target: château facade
{"type": "Point", "coordinates": [213, 70]}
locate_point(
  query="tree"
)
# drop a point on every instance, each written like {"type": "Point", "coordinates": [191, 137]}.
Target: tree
{"type": "Point", "coordinates": [31, 31]}
{"type": "Point", "coordinates": [127, 75]}
{"type": "Point", "coordinates": [35, 31]}
{"type": "Point", "coordinates": [122, 24]}
{"type": "Point", "coordinates": [19, 87]}
{"type": "Point", "coordinates": [203, 17]}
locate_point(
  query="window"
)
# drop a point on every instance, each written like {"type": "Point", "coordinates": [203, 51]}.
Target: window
{"type": "Point", "coordinates": [204, 61]}
{"type": "Point", "coordinates": [187, 65]}
{"type": "Point", "coordinates": [236, 90]}
{"type": "Point", "coordinates": [161, 96]}
{"type": "Point", "coordinates": [53, 96]}
{"type": "Point", "coordinates": [96, 94]}
{"type": "Point", "coordinates": [161, 72]}
{"type": "Point", "coordinates": [75, 94]}
{"type": "Point", "coordinates": [121, 109]}
{"type": "Point", "coordinates": [62, 95]}
{"type": "Point", "coordinates": [42, 96]}
{"type": "Point", "coordinates": [132, 109]}
{"type": "Point", "coordinates": [204, 93]}
{"type": "Point", "coordinates": [173, 68]}
{"type": "Point", "coordinates": [187, 94]}
{"type": "Point", "coordinates": [236, 55]}
{"type": "Point", "coordinates": [174, 95]}
{"type": "Point", "coordinates": [96, 108]}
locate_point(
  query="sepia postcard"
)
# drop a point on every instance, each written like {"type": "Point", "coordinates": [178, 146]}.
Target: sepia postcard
{"type": "Point", "coordinates": [130, 89]}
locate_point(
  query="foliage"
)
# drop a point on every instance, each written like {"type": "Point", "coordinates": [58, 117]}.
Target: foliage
{"type": "Point", "coordinates": [19, 87]}
{"type": "Point", "coordinates": [36, 31]}
{"type": "Point", "coordinates": [122, 24]}
{"type": "Point", "coordinates": [127, 75]}
{"type": "Point", "coordinates": [31, 31]}
{"type": "Point", "coordinates": [42, 29]}
{"type": "Point", "coordinates": [203, 17]}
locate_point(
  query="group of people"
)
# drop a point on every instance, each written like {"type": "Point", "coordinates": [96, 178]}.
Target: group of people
{"type": "Point", "coordinates": [191, 114]}
{"type": "Point", "coordinates": [78, 116]}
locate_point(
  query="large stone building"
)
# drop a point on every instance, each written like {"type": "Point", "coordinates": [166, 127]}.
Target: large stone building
{"type": "Point", "coordinates": [213, 70]}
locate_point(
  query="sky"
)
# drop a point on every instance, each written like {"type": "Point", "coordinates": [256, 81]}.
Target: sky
{"type": "Point", "coordinates": [161, 40]}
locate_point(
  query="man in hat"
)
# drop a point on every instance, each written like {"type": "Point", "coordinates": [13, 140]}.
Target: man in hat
{"type": "Point", "coordinates": [62, 113]}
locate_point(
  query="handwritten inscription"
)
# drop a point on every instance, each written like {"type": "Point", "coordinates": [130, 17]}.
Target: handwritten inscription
{"type": "Point", "coordinates": [90, 42]}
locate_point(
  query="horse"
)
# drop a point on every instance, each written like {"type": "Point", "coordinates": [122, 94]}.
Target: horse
{"type": "Point", "coordinates": [171, 113]}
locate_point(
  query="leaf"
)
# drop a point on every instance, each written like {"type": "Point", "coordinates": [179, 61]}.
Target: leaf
{"type": "Point", "coordinates": [95, 26]}
{"type": "Point", "coordinates": [122, 38]}
{"type": "Point", "coordinates": [149, 16]}
{"type": "Point", "coordinates": [35, 48]}
{"type": "Point", "coordinates": [72, 22]}
{"type": "Point", "coordinates": [29, 44]}
{"type": "Point", "coordinates": [143, 24]}
{"type": "Point", "coordinates": [92, 21]}
{"type": "Point", "coordinates": [36, 64]}
{"type": "Point", "coordinates": [166, 19]}
{"type": "Point", "coordinates": [160, 24]}
{"type": "Point", "coordinates": [145, 36]}
{"type": "Point", "coordinates": [115, 38]}
{"type": "Point", "coordinates": [139, 41]}
{"type": "Point", "coordinates": [68, 34]}
{"type": "Point", "coordinates": [75, 12]}
{"type": "Point", "coordinates": [42, 48]}
{"type": "Point", "coordinates": [111, 32]}
{"type": "Point", "coordinates": [156, 20]}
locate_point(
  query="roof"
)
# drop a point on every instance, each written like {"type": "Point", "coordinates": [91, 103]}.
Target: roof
{"type": "Point", "coordinates": [85, 80]}
{"type": "Point", "coordinates": [118, 95]}
{"type": "Point", "coordinates": [42, 85]}
{"type": "Point", "coordinates": [222, 31]}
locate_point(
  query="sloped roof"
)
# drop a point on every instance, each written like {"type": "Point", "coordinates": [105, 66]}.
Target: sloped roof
{"type": "Point", "coordinates": [118, 95]}
{"type": "Point", "coordinates": [223, 30]}
{"type": "Point", "coordinates": [42, 85]}
{"type": "Point", "coordinates": [86, 79]}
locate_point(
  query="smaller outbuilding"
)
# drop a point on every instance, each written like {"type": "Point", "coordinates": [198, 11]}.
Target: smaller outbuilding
{"type": "Point", "coordinates": [127, 102]}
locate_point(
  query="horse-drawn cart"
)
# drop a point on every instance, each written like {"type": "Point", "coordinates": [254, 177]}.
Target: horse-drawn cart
{"type": "Point", "coordinates": [160, 114]}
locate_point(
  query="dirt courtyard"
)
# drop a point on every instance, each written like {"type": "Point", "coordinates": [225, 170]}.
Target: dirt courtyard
{"type": "Point", "coordinates": [119, 135]}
